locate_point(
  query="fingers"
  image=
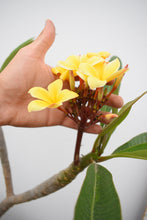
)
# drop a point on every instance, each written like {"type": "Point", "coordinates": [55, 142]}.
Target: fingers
{"type": "Point", "coordinates": [115, 101]}
{"type": "Point", "coordinates": [94, 129]}
{"type": "Point", "coordinates": [44, 41]}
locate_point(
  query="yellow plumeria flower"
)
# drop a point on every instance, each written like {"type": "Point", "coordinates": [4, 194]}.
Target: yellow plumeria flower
{"type": "Point", "coordinates": [100, 74]}
{"type": "Point", "coordinates": [51, 98]}
{"type": "Point", "coordinates": [73, 62]}
{"type": "Point", "coordinates": [63, 67]}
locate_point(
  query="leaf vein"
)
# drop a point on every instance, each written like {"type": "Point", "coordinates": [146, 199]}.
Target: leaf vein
{"type": "Point", "coordinates": [94, 193]}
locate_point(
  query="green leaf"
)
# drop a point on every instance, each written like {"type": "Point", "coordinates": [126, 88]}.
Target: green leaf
{"type": "Point", "coordinates": [13, 53]}
{"type": "Point", "coordinates": [137, 140]}
{"type": "Point", "coordinates": [135, 148]}
{"type": "Point", "coordinates": [98, 199]}
{"type": "Point", "coordinates": [109, 129]}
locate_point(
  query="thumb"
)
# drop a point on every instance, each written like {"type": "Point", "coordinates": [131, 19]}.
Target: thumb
{"type": "Point", "coordinates": [44, 41]}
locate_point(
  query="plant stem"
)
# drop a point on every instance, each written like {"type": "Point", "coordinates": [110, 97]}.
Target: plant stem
{"type": "Point", "coordinates": [5, 165]}
{"type": "Point", "coordinates": [78, 142]}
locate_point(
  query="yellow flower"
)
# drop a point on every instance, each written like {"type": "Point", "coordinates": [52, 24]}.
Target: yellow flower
{"type": "Point", "coordinates": [72, 63]}
{"type": "Point", "coordinates": [63, 67]}
{"type": "Point", "coordinates": [51, 98]}
{"type": "Point", "coordinates": [100, 74]}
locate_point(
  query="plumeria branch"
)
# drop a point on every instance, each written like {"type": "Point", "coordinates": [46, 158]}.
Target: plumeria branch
{"type": "Point", "coordinates": [49, 186]}
{"type": "Point", "coordinates": [5, 165]}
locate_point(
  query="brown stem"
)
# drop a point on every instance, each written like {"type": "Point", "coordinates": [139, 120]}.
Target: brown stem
{"type": "Point", "coordinates": [78, 142]}
{"type": "Point", "coordinates": [5, 165]}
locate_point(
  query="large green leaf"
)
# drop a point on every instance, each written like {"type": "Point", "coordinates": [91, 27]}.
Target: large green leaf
{"type": "Point", "coordinates": [98, 199]}
{"type": "Point", "coordinates": [14, 52]}
{"type": "Point", "coordinates": [137, 140]}
{"type": "Point", "coordinates": [138, 152]}
{"type": "Point", "coordinates": [103, 138]}
{"type": "Point", "coordinates": [135, 148]}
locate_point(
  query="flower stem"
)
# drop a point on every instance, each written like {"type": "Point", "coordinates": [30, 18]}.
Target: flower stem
{"type": "Point", "coordinates": [78, 142]}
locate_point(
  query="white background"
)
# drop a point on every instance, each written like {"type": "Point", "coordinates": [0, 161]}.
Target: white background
{"type": "Point", "coordinates": [117, 26]}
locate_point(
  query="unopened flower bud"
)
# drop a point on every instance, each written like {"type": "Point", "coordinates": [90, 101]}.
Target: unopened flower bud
{"type": "Point", "coordinates": [106, 118]}
{"type": "Point", "coordinates": [110, 116]}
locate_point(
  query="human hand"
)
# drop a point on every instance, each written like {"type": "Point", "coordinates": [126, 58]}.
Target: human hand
{"type": "Point", "coordinates": [28, 70]}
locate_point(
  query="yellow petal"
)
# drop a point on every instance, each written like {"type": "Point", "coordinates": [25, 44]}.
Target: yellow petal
{"type": "Point", "coordinates": [91, 54]}
{"type": "Point", "coordinates": [75, 60]}
{"type": "Point", "coordinates": [94, 60]}
{"type": "Point", "coordinates": [87, 69]}
{"type": "Point", "coordinates": [54, 89]}
{"type": "Point", "coordinates": [37, 105]}
{"type": "Point", "coordinates": [117, 74]}
{"type": "Point", "coordinates": [65, 65]}
{"type": "Point", "coordinates": [82, 75]}
{"type": "Point", "coordinates": [111, 68]}
{"type": "Point", "coordinates": [40, 93]}
{"type": "Point", "coordinates": [65, 75]}
{"type": "Point", "coordinates": [58, 69]}
{"type": "Point", "coordinates": [99, 67]}
{"type": "Point", "coordinates": [71, 63]}
{"type": "Point", "coordinates": [95, 83]}
{"type": "Point", "coordinates": [83, 58]}
{"type": "Point", "coordinates": [55, 70]}
{"type": "Point", "coordinates": [66, 95]}
{"type": "Point", "coordinates": [104, 54]}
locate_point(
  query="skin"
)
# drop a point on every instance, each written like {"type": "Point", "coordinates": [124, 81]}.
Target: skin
{"type": "Point", "coordinates": [26, 70]}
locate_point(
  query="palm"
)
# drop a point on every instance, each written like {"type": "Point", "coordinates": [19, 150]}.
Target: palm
{"type": "Point", "coordinates": [32, 72]}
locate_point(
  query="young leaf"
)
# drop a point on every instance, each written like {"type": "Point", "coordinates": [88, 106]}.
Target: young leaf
{"type": "Point", "coordinates": [14, 52]}
{"type": "Point", "coordinates": [109, 129]}
{"type": "Point", "coordinates": [98, 199]}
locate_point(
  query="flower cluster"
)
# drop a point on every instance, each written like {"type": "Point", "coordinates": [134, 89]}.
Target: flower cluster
{"type": "Point", "coordinates": [87, 76]}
